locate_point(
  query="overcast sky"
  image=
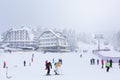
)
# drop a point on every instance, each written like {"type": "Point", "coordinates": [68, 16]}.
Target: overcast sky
{"type": "Point", "coordinates": [81, 15]}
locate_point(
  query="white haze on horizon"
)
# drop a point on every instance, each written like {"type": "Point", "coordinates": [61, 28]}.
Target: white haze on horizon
{"type": "Point", "coordinates": [80, 15]}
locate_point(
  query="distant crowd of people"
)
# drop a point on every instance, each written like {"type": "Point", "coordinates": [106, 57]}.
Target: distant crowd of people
{"type": "Point", "coordinates": [104, 63]}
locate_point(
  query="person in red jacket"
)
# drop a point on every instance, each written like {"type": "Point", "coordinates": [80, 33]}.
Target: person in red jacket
{"type": "Point", "coordinates": [46, 62]}
{"type": "Point", "coordinates": [102, 62]}
{"type": "Point", "coordinates": [49, 66]}
{"type": "Point", "coordinates": [4, 64]}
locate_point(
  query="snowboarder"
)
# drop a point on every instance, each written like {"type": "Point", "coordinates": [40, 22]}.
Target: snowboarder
{"type": "Point", "coordinates": [97, 61]}
{"type": "Point", "coordinates": [107, 65]}
{"type": "Point", "coordinates": [4, 64]}
{"type": "Point", "coordinates": [119, 64]}
{"type": "Point", "coordinates": [102, 62]}
{"type": "Point", "coordinates": [57, 65]}
{"type": "Point", "coordinates": [111, 63]}
{"type": "Point", "coordinates": [24, 63]}
{"type": "Point", "coordinates": [48, 66]}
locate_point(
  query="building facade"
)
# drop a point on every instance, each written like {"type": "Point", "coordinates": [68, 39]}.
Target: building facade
{"type": "Point", "coordinates": [20, 38]}
{"type": "Point", "coordinates": [50, 41]}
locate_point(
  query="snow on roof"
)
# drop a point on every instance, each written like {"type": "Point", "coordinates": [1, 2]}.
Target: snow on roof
{"type": "Point", "coordinates": [29, 30]}
{"type": "Point", "coordinates": [57, 34]}
{"type": "Point", "coordinates": [54, 33]}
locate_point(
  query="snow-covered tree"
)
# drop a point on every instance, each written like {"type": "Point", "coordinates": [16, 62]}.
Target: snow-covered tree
{"type": "Point", "coordinates": [116, 41]}
{"type": "Point", "coordinates": [38, 31]}
{"type": "Point", "coordinates": [87, 38]}
{"type": "Point", "coordinates": [71, 38]}
{"type": "Point", "coordinates": [3, 35]}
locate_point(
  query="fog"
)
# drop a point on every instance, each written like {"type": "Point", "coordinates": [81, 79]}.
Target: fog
{"type": "Point", "coordinates": [80, 15]}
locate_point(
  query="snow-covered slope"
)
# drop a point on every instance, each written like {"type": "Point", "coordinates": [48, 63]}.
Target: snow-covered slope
{"type": "Point", "coordinates": [73, 67]}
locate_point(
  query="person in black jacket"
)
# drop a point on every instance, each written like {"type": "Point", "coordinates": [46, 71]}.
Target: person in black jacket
{"type": "Point", "coordinates": [48, 66]}
{"type": "Point", "coordinates": [97, 61]}
{"type": "Point", "coordinates": [24, 62]}
{"type": "Point", "coordinates": [119, 63]}
{"type": "Point", "coordinates": [111, 63]}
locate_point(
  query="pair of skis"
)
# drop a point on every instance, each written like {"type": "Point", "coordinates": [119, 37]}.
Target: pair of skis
{"type": "Point", "coordinates": [52, 74]}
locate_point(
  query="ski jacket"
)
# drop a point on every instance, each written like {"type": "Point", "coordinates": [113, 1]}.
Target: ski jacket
{"type": "Point", "coordinates": [102, 62]}
{"type": "Point", "coordinates": [4, 62]}
{"type": "Point", "coordinates": [57, 64]}
{"type": "Point", "coordinates": [49, 65]}
{"type": "Point", "coordinates": [107, 64]}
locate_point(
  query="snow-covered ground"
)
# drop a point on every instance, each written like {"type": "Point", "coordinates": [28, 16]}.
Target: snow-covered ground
{"type": "Point", "coordinates": [73, 68]}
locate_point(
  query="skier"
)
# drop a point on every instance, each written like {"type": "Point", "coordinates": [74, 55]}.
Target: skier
{"type": "Point", "coordinates": [57, 65]}
{"type": "Point", "coordinates": [48, 66]}
{"type": "Point", "coordinates": [24, 63]}
{"type": "Point", "coordinates": [102, 62]}
{"type": "Point", "coordinates": [93, 60]}
{"type": "Point", "coordinates": [107, 65]}
{"type": "Point", "coordinates": [4, 64]}
{"type": "Point", "coordinates": [33, 55]}
{"type": "Point", "coordinates": [61, 61]}
{"type": "Point", "coordinates": [31, 59]}
{"type": "Point", "coordinates": [80, 55]}
{"type": "Point", "coordinates": [97, 61]}
{"type": "Point", "coordinates": [111, 63]}
{"type": "Point", "coordinates": [119, 64]}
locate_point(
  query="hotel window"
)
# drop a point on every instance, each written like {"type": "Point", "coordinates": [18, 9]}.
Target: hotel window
{"type": "Point", "coordinates": [26, 35]}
